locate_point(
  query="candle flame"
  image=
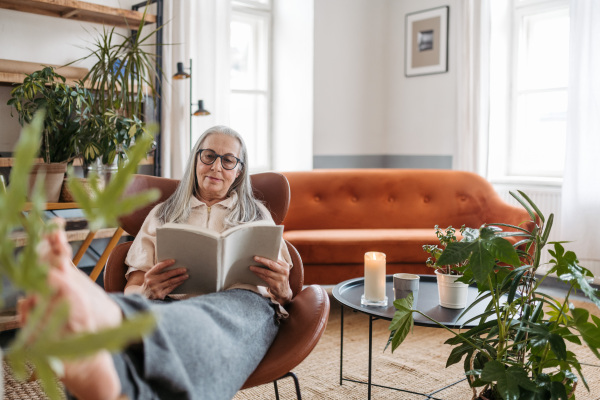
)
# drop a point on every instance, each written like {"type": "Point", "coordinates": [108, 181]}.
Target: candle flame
{"type": "Point", "coordinates": [374, 255]}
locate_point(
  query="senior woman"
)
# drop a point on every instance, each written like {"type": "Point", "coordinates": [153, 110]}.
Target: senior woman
{"type": "Point", "coordinates": [204, 347]}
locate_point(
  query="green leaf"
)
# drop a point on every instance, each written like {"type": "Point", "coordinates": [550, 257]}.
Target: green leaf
{"type": "Point", "coordinates": [590, 333]}
{"type": "Point", "coordinates": [515, 279]}
{"type": "Point", "coordinates": [402, 322]}
{"type": "Point", "coordinates": [532, 204]}
{"type": "Point", "coordinates": [45, 375]}
{"type": "Point", "coordinates": [481, 263]}
{"type": "Point", "coordinates": [503, 250]}
{"type": "Point", "coordinates": [457, 354]}
{"type": "Point", "coordinates": [495, 371]}
{"type": "Point", "coordinates": [456, 253]}
{"type": "Point", "coordinates": [508, 380]}
{"type": "Point", "coordinates": [112, 339]}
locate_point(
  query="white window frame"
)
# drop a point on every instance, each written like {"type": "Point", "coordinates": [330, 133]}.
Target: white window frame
{"type": "Point", "coordinates": [262, 9]}
{"type": "Point", "coordinates": [503, 117]}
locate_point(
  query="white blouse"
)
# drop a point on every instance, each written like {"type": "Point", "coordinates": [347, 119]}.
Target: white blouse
{"type": "Point", "coordinates": [142, 253]}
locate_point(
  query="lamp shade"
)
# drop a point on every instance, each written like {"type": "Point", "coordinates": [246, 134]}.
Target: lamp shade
{"type": "Point", "coordinates": [201, 110]}
{"type": "Point", "coordinates": [180, 74]}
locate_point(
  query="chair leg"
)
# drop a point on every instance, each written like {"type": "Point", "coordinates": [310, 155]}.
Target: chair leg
{"type": "Point", "coordinates": [296, 384]}
{"type": "Point", "coordinates": [276, 391]}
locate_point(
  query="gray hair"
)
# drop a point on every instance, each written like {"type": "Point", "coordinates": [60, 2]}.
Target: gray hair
{"type": "Point", "coordinates": [177, 207]}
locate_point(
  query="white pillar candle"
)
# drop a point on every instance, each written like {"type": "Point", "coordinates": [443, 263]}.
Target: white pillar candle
{"type": "Point", "coordinates": [375, 276]}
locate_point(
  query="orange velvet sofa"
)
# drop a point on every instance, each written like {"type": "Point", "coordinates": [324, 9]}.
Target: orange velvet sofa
{"type": "Point", "coordinates": [337, 215]}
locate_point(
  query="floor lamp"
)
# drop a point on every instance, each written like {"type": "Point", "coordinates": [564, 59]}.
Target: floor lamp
{"type": "Point", "coordinates": [182, 74]}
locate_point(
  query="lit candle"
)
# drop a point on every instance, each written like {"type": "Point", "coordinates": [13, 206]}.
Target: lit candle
{"type": "Point", "coordinates": [374, 276]}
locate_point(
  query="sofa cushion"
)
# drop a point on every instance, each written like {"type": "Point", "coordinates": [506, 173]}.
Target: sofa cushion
{"type": "Point", "coordinates": [341, 246]}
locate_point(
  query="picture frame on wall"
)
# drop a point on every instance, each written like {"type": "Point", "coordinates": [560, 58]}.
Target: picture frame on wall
{"type": "Point", "coordinates": [427, 42]}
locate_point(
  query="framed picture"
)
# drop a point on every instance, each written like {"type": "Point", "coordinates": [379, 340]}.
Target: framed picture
{"type": "Point", "coordinates": [427, 42]}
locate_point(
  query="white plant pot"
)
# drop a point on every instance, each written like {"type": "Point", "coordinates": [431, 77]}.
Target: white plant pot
{"type": "Point", "coordinates": [452, 294]}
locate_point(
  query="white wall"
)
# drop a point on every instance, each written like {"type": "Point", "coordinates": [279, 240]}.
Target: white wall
{"type": "Point", "coordinates": [293, 95]}
{"type": "Point", "coordinates": [364, 104]}
{"type": "Point", "coordinates": [359, 103]}
{"type": "Point", "coordinates": [422, 110]}
{"type": "Point", "coordinates": [350, 76]}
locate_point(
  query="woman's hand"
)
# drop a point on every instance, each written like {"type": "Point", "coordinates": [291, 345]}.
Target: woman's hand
{"type": "Point", "coordinates": [156, 283]}
{"type": "Point", "coordinates": [277, 277]}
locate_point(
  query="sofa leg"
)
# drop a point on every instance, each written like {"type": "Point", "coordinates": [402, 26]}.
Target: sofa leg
{"type": "Point", "coordinates": [296, 384]}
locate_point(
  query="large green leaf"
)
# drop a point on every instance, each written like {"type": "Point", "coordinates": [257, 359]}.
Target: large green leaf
{"type": "Point", "coordinates": [458, 352]}
{"type": "Point", "coordinates": [503, 250]}
{"type": "Point", "coordinates": [482, 263]}
{"type": "Point", "coordinates": [508, 380]}
{"type": "Point", "coordinates": [456, 253]}
{"type": "Point", "coordinates": [589, 332]}
{"type": "Point", "coordinates": [580, 277]}
{"type": "Point", "coordinates": [402, 322]}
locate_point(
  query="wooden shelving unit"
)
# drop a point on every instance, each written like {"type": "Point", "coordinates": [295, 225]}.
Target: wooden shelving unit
{"type": "Point", "coordinates": [13, 71]}
{"type": "Point", "coordinates": [78, 235]}
{"type": "Point", "coordinates": [8, 161]}
{"type": "Point", "coordinates": [80, 11]}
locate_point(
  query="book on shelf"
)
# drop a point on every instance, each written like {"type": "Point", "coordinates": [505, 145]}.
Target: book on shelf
{"type": "Point", "coordinates": [215, 260]}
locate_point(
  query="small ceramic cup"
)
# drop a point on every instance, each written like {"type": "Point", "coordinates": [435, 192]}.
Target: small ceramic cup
{"type": "Point", "coordinates": [404, 284]}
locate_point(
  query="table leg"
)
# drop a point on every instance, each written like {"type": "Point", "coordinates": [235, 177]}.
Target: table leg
{"type": "Point", "coordinates": [370, 353]}
{"type": "Point", "coordinates": [341, 343]}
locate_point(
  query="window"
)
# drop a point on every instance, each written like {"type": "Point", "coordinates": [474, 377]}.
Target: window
{"type": "Point", "coordinates": [250, 43]}
{"type": "Point", "coordinates": [537, 45]}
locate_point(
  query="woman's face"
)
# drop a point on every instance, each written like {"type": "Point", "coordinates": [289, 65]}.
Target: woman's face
{"type": "Point", "coordinates": [214, 181]}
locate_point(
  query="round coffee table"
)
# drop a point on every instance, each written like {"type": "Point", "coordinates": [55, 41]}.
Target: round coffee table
{"type": "Point", "coordinates": [348, 294]}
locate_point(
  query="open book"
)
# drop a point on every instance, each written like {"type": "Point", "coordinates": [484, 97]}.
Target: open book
{"type": "Point", "coordinates": [214, 260]}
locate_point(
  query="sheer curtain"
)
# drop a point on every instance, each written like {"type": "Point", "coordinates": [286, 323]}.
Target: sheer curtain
{"type": "Point", "coordinates": [472, 86]}
{"type": "Point", "coordinates": [198, 30]}
{"type": "Point", "coordinates": [581, 185]}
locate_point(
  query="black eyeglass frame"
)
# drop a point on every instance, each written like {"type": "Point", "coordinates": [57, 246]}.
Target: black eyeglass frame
{"type": "Point", "coordinates": [238, 161]}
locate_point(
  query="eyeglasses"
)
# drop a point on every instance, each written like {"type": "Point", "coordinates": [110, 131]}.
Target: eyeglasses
{"type": "Point", "coordinates": [209, 157]}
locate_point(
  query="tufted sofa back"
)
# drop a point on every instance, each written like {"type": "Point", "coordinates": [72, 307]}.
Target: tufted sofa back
{"type": "Point", "coordinates": [392, 199]}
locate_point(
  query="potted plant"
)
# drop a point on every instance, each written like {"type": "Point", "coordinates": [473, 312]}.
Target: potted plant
{"type": "Point", "coordinates": [519, 349]}
{"type": "Point", "coordinates": [66, 107]}
{"type": "Point", "coordinates": [122, 82]}
{"type": "Point", "coordinates": [452, 292]}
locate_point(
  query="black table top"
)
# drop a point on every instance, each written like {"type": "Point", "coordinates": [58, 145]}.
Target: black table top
{"type": "Point", "coordinates": [349, 292]}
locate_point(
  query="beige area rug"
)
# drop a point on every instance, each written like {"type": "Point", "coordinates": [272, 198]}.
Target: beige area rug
{"type": "Point", "coordinates": [418, 365]}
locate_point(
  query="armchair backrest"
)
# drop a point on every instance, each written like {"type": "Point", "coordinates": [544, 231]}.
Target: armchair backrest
{"type": "Point", "coordinates": [271, 188]}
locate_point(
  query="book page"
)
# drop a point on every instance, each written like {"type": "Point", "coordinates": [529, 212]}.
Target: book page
{"type": "Point", "coordinates": [193, 248]}
{"type": "Point", "coordinates": [240, 246]}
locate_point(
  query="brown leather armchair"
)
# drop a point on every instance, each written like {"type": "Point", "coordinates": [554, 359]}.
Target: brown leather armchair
{"type": "Point", "coordinates": [309, 308]}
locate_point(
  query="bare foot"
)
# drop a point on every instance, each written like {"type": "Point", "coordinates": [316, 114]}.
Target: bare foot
{"type": "Point", "coordinates": [90, 310]}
